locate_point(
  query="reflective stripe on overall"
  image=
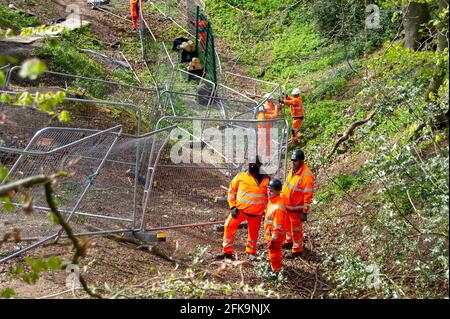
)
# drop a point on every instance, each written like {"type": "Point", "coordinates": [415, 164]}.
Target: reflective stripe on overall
{"type": "Point", "coordinates": [275, 231]}
{"type": "Point", "coordinates": [298, 191]}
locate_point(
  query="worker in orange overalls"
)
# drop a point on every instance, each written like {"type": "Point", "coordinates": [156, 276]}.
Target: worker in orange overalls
{"type": "Point", "coordinates": [297, 193]}
{"type": "Point", "coordinates": [135, 11]}
{"type": "Point", "coordinates": [267, 112]}
{"type": "Point", "coordinates": [275, 225]}
{"type": "Point", "coordinates": [247, 199]}
{"type": "Point", "coordinates": [296, 105]}
{"type": "Point", "coordinates": [201, 33]}
{"type": "Point", "coordinates": [268, 104]}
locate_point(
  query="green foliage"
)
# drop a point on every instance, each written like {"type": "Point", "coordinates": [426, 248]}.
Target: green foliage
{"type": "Point", "coordinates": [396, 62]}
{"type": "Point", "coordinates": [323, 121]}
{"type": "Point", "coordinates": [2, 78]}
{"type": "Point", "coordinates": [7, 293]}
{"type": "Point", "coordinates": [47, 102]}
{"type": "Point", "coordinates": [336, 188]}
{"type": "Point", "coordinates": [399, 221]}
{"type": "Point", "coordinates": [44, 102]}
{"type": "Point", "coordinates": [3, 172]}
{"type": "Point", "coordinates": [5, 202]}
{"type": "Point", "coordinates": [64, 57]}
{"type": "Point", "coordinates": [82, 38]}
{"type": "Point", "coordinates": [32, 68]}
{"type": "Point", "coordinates": [64, 117]}
{"type": "Point", "coordinates": [279, 40]}
{"type": "Point", "coordinates": [43, 29]}
{"type": "Point", "coordinates": [344, 21]}
{"type": "Point", "coordinates": [198, 255]}
{"type": "Point", "coordinates": [6, 98]}
{"type": "Point", "coordinates": [6, 59]}
{"type": "Point", "coordinates": [264, 271]}
{"type": "Point", "coordinates": [9, 33]}
{"type": "Point", "coordinates": [331, 85]}
{"type": "Point", "coordinates": [413, 262]}
{"type": "Point", "coordinates": [12, 19]}
{"type": "Point", "coordinates": [35, 268]}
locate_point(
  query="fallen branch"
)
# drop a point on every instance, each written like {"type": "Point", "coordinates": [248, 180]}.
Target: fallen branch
{"type": "Point", "coordinates": [315, 283]}
{"type": "Point", "coordinates": [159, 253]}
{"type": "Point", "coordinates": [350, 131]}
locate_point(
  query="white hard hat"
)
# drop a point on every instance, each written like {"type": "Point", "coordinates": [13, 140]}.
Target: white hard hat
{"type": "Point", "coordinates": [268, 96]}
{"type": "Point", "coordinates": [261, 108]}
{"type": "Point", "coordinates": [295, 91]}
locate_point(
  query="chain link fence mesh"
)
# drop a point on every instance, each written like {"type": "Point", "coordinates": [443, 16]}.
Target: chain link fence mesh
{"type": "Point", "coordinates": [192, 176]}
{"type": "Point", "coordinates": [80, 151]}
{"type": "Point", "coordinates": [130, 181]}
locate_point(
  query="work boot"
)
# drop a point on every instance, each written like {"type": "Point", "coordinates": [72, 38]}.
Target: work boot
{"type": "Point", "coordinates": [292, 255]}
{"type": "Point", "coordinates": [251, 257]}
{"type": "Point", "coordinates": [225, 256]}
{"type": "Point", "coordinates": [287, 245]}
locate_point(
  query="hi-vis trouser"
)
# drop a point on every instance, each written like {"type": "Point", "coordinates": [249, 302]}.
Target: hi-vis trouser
{"type": "Point", "coordinates": [231, 226]}
{"type": "Point", "coordinates": [264, 142]}
{"type": "Point", "coordinates": [134, 7]}
{"type": "Point", "coordinates": [296, 122]}
{"type": "Point", "coordinates": [275, 231]}
{"type": "Point", "coordinates": [294, 232]}
{"type": "Point", "coordinates": [276, 256]}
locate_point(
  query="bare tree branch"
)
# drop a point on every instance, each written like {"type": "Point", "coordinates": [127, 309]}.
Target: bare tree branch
{"type": "Point", "coordinates": [47, 181]}
{"type": "Point", "coordinates": [350, 131]}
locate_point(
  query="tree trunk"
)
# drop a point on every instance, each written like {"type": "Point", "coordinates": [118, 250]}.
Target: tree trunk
{"type": "Point", "coordinates": [415, 15]}
{"type": "Point", "coordinates": [443, 27]}
{"type": "Point", "coordinates": [440, 70]}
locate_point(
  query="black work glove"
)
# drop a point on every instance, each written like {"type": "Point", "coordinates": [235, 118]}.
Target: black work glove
{"type": "Point", "coordinates": [234, 212]}
{"type": "Point", "coordinates": [304, 217]}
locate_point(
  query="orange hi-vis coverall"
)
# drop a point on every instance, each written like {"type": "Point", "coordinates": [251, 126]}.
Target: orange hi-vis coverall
{"type": "Point", "coordinates": [250, 198]}
{"type": "Point", "coordinates": [134, 7]}
{"type": "Point", "coordinates": [296, 105]}
{"type": "Point", "coordinates": [201, 33]}
{"type": "Point", "coordinates": [275, 231]}
{"type": "Point", "coordinates": [269, 106]}
{"type": "Point", "coordinates": [264, 139]}
{"type": "Point", "coordinates": [297, 193]}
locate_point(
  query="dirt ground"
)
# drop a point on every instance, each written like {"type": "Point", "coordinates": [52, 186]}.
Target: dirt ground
{"type": "Point", "coordinates": [111, 265]}
{"type": "Point", "coordinates": [129, 266]}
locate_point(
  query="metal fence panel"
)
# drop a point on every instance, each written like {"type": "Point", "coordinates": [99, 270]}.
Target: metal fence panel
{"type": "Point", "coordinates": [192, 176]}
{"type": "Point", "coordinates": [84, 88]}
{"type": "Point", "coordinates": [83, 152]}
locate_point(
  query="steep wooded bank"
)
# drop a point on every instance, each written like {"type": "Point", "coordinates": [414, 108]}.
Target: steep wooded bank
{"type": "Point", "coordinates": [375, 90]}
